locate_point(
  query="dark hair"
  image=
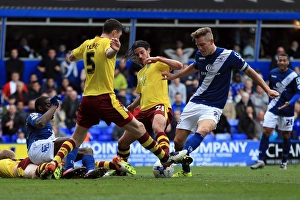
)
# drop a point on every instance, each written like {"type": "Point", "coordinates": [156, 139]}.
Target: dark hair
{"type": "Point", "coordinates": [129, 55]}
{"type": "Point", "coordinates": [285, 55]}
{"type": "Point", "coordinates": [112, 24]}
{"type": "Point", "coordinates": [41, 101]}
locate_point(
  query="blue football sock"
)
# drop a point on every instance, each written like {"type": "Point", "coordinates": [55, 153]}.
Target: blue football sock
{"type": "Point", "coordinates": [186, 168]}
{"type": "Point", "coordinates": [286, 145]}
{"type": "Point", "coordinates": [70, 159]}
{"type": "Point", "coordinates": [193, 142]}
{"type": "Point", "coordinates": [263, 147]}
{"type": "Point", "coordinates": [89, 162]}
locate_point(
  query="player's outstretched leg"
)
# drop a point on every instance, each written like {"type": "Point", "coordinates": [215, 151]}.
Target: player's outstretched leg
{"type": "Point", "coordinates": [174, 157]}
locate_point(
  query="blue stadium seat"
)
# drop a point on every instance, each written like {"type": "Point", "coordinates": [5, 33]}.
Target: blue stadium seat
{"type": "Point", "coordinates": [6, 139]}
{"type": "Point", "coordinates": [296, 126]}
{"type": "Point", "coordinates": [209, 137]}
{"type": "Point", "coordinates": [14, 137]}
{"type": "Point", "coordinates": [65, 131]}
{"type": "Point", "coordinates": [223, 136]}
{"type": "Point", "coordinates": [239, 136]}
{"type": "Point", "coordinates": [233, 125]}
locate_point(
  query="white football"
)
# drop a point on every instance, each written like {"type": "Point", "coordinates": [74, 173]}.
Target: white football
{"type": "Point", "coordinates": [160, 171]}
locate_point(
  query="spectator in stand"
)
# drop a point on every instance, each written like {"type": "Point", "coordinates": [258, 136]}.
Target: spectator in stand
{"type": "Point", "coordinates": [21, 137]}
{"type": "Point", "coordinates": [12, 121]}
{"type": "Point", "coordinates": [177, 87]}
{"type": "Point", "coordinates": [122, 97]}
{"type": "Point", "coordinates": [133, 71]}
{"type": "Point", "coordinates": [49, 66]}
{"type": "Point", "coordinates": [44, 48]}
{"type": "Point", "coordinates": [82, 79]}
{"type": "Point", "coordinates": [36, 90]}
{"type": "Point", "coordinates": [70, 106]}
{"type": "Point", "coordinates": [11, 101]}
{"type": "Point", "coordinates": [132, 95]}
{"type": "Point", "coordinates": [57, 132]}
{"type": "Point", "coordinates": [20, 94]}
{"type": "Point", "coordinates": [178, 103]}
{"type": "Point", "coordinates": [248, 86]}
{"type": "Point", "coordinates": [24, 48]}
{"type": "Point", "coordinates": [59, 118]}
{"type": "Point", "coordinates": [259, 100]}
{"type": "Point", "coordinates": [69, 70]}
{"type": "Point", "coordinates": [248, 51]}
{"type": "Point", "coordinates": [242, 105]}
{"type": "Point", "coordinates": [63, 87]}
{"type": "Point", "coordinates": [49, 85]}
{"type": "Point", "coordinates": [259, 120]}
{"type": "Point", "coordinates": [30, 108]}
{"type": "Point", "coordinates": [21, 110]}
{"type": "Point", "coordinates": [120, 81]}
{"type": "Point", "coordinates": [189, 83]}
{"type": "Point", "coordinates": [117, 133]}
{"type": "Point", "coordinates": [223, 126]}
{"type": "Point", "coordinates": [297, 70]}
{"type": "Point", "coordinates": [61, 51]}
{"type": "Point", "coordinates": [11, 86]}
{"type": "Point", "coordinates": [14, 64]}
{"type": "Point", "coordinates": [294, 51]}
{"type": "Point", "coordinates": [123, 70]}
{"type": "Point", "coordinates": [247, 123]}
{"type": "Point", "coordinates": [236, 86]}
{"type": "Point", "coordinates": [33, 77]}
{"type": "Point", "coordinates": [180, 54]}
{"type": "Point", "coordinates": [229, 109]}
{"type": "Point", "coordinates": [273, 64]}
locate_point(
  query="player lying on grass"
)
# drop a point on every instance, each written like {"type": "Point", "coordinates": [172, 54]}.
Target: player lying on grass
{"type": "Point", "coordinates": [10, 167]}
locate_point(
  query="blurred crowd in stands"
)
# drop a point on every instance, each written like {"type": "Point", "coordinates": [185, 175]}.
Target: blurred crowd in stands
{"type": "Point", "coordinates": [242, 116]}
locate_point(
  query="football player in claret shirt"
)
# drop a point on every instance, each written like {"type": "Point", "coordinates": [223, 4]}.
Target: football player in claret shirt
{"type": "Point", "coordinates": [99, 102]}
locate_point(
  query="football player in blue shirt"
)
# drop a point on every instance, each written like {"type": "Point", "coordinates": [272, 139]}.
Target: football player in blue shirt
{"type": "Point", "coordinates": [204, 108]}
{"type": "Point", "coordinates": [42, 144]}
{"type": "Point", "coordinates": [280, 110]}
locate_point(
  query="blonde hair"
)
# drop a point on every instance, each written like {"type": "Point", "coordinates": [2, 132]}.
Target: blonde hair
{"type": "Point", "coordinates": [205, 31]}
{"type": "Point", "coordinates": [4, 154]}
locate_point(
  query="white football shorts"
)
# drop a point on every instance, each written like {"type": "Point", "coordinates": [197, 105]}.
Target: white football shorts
{"type": "Point", "coordinates": [284, 123]}
{"type": "Point", "coordinates": [193, 113]}
{"type": "Point", "coordinates": [42, 151]}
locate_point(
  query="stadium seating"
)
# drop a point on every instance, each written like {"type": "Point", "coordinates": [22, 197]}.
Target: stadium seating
{"type": "Point", "coordinates": [234, 125]}
{"type": "Point", "coordinates": [209, 138]}
{"type": "Point", "coordinates": [239, 136]}
{"type": "Point", "coordinates": [223, 136]}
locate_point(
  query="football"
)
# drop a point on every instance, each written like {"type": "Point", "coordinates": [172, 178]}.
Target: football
{"type": "Point", "coordinates": [160, 171]}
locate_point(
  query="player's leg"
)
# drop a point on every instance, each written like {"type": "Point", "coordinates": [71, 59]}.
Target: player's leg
{"type": "Point", "coordinates": [75, 141]}
{"type": "Point", "coordinates": [270, 121]}
{"type": "Point", "coordinates": [124, 145]}
{"type": "Point", "coordinates": [286, 146]}
{"type": "Point", "coordinates": [285, 126]}
{"type": "Point", "coordinates": [137, 128]}
{"type": "Point", "coordinates": [159, 124]}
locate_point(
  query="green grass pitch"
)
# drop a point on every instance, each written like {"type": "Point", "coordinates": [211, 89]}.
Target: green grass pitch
{"type": "Point", "coordinates": [224, 183]}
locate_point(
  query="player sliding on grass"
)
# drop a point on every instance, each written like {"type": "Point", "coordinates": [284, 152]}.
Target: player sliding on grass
{"type": "Point", "coordinates": [204, 108]}
{"type": "Point", "coordinates": [155, 108]}
{"type": "Point", "coordinates": [99, 102]}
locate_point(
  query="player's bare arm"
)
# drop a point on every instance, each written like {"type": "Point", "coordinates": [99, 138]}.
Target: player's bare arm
{"type": "Point", "coordinates": [134, 104]}
{"type": "Point", "coordinates": [174, 64]}
{"type": "Point", "coordinates": [45, 118]}
{"type": "Point", "coordinates": [258, 80]}
{"type": "Point", "coordinates": [72, 57]}
{"type": "Point", "coordinates": [186, 72]}
{"type": "Point", "coordinates": [114, 48]}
